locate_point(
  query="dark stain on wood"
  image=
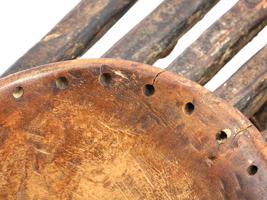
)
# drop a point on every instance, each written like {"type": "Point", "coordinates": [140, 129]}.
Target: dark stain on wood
{"type": "Point", "coordinates": [219, 43]}
{"type": "Point", "coordinates": [260, 118]}
{"type": "Point", "coordinates": [156, 35]}
{"type": "Point", "coordinates": [247, 88]}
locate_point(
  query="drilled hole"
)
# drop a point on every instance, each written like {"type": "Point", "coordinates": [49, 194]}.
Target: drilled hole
{"type": "Point", "coordinates": [212, 157]}
{"type": "Point", "coordinates": [252, 170]}
{"type": "Point", "coordinates": [62, 83]}
{"type": "Point", "coordinates": [189, 108]}
{"type": "Point", "coordinates": [149, 90]}
{"type": "Point", "coordinates": [105, 79]}
{"type": "Point", "coordinates": [221, 136]}
{"type": "Point", "coordinates": [18, 92]}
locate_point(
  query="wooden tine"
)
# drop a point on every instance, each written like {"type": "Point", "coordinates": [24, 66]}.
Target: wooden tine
{"type": "Point", "coordinates": [156, 35]}
{"type": "Point", "coordinates": [247, 88]}
{"type": "Point", "coordinates": [219, 43]}
{"type": "Point", "coordinates": [260, 118]}
{"type": "Point", "coordinates": [77, 32]}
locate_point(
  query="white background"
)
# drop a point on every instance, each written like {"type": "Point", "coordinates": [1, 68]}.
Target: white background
{"type": "Point", "coordinates": [25, 22]}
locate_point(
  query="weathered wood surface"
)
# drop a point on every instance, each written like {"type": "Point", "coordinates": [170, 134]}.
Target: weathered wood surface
{"type": "Point", "coordinates": [157, 34]}
{"type": "Point", "coordinates": [172, 26]}
{"type": "Point", "coordinates": [72, 36]}
{"type": "Point", "coordinates": [140, 133]}
{"type": "Point", "coordinates": [247, 88]}
{"type": "Point", "coordinates": [260, 118]}
{"type": "Point", "coordinates": [264, 134]}
{"type": "Point", "coordinates": [219, 43]}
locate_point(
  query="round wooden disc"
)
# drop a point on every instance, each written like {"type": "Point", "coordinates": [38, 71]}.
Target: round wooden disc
{"type": "Point", "coordinates": [107, 129]}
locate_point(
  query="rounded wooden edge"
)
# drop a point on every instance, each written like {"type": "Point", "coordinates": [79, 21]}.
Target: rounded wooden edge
{"type": "Point", "coordinates": [244, 145]}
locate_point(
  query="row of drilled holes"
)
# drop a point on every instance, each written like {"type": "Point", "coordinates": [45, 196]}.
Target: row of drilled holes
{"type": "Point", "coordinates": [189, 108]}
{"type": "Point", "coordinates": [105, 79]}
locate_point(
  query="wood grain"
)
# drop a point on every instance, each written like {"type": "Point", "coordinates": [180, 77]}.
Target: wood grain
{"type": "Point", "coordinates": [78, 31]}
{"type": "Point", "coordinates": [260, 118]}
{"type": "Point", "coordinates": [102, 136]}
{"type": "Point", "coordinates": [247, 88]}
{"type": "Point", "coordinates": [264, 134]}
{"type": "Point", "coordinates": [156, 35]}
{"type": "Point", "coordinates": [219, 43]}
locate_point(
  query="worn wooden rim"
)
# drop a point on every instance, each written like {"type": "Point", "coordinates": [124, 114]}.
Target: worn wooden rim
{"type": "Point", "coordinates": [111, 129]}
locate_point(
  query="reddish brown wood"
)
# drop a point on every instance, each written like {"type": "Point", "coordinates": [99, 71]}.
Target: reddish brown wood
{"type": "Point", "coordinates": [219, 43]}
{"type": "Point", "coordinates": [77, 32]}
{"type": "Point", "coordinates": [106, 129]}
{"type": "Point", "coordinates": [247, 88]}
{"type": "Point", "coordinates": [264, 134]}
{"type": "Point", "coordinates": [157, 34]}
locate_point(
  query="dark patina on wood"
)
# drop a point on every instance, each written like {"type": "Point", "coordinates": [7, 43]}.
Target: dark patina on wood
{"type": "Point", "coordinates": [218, 44]}
{"type": "Point", "coordinates": [77, 32]}
{"type": "Point", "coordinates": [157, 34]}
{"type": "Point", "coordinates": [260, 118]}
{"type": "Point", "coordinates": [109, 129]}
{"type": "Point", "coordinates": [247, 88]}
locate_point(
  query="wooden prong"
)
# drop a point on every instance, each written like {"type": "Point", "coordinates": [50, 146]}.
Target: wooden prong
{"type": "Point", "coordinates": [247, 88]}
{"type": "Point", "coordinates": [219, 43]}
{"type": "Point", "coordinates": [157, 34]}
{"type": "Point", "coordinates": [72, 36]}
